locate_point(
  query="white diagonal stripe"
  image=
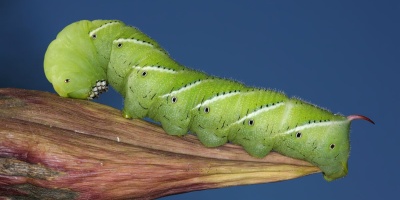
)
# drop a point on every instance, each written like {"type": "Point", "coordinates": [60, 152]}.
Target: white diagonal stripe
{"type": "Point", "coordinates": [216, 98]}
{"type": "Point", "coordinates": [103, 26]}
{"type": "Point", "coordinates": [259, 111]}
{"type": "Point", "coordinates": [155, 68]}
{"type": "Point", "coordinates": [132, 40]}
{"type": "Point", "coordinates": [182, 89]}
{"type": "Point", "coordinates": [315, 124]}
{"type": "Point", "coordinates": [286, 113]}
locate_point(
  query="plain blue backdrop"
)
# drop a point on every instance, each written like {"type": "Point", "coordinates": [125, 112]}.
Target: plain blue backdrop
{"type": "Point", "coordinates": [342, 55]}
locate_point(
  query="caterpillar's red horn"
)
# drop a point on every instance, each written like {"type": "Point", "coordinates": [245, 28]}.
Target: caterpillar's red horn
{"type": "Point", "coordinates": [353, 117]}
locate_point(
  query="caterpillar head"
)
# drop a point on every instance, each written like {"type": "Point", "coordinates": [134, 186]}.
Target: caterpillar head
{"type": "Point", "coordinates": [71, 63]}
{"type": "Point", "coordinates": [323, 143]}
{"type": "Point", "coordinates": [74, 85]}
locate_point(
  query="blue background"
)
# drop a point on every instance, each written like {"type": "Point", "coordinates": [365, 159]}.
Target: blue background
{"type": "Point", "coordinates": [341, 55]}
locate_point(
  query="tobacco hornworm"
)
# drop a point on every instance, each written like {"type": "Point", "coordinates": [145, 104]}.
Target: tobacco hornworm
{"type": "Point", "coordinates": [88, 55]}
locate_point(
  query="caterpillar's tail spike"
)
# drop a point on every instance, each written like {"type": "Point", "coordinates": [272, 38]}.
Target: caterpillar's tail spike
{"type": "Point", "coordinates": [353, 117]}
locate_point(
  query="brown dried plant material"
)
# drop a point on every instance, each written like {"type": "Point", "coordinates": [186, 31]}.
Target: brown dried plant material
{"type": "Point", "coordinates": [58, 148]}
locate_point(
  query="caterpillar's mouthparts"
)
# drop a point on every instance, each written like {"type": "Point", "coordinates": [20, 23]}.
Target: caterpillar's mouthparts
{"type": "Point", "coordinates": [100, 87]}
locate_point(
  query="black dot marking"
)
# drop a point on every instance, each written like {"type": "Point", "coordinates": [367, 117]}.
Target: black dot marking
{"type": "Point", "coordinates": [206, 109]}
{"type": "Point", "coordinates": [144, 73]}
{"type": "Point", "coordinates": [251, 122]}
{"type": "Point", "coordinates": [174, 99]}
{"type": "Point", "coordinates": [94, 36]}
{"type": "Point", "coordinates": [67, 80]}
{"type": "Point", "coordinates": [119, 45]}
{"type": "Point", "coordinates": [298, 135]}
{"type": "Point", "coordinates": [332, 146]}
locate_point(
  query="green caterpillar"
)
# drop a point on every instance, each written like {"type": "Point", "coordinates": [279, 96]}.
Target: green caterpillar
{"type": "Point", "coordinates": [88, 55]}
